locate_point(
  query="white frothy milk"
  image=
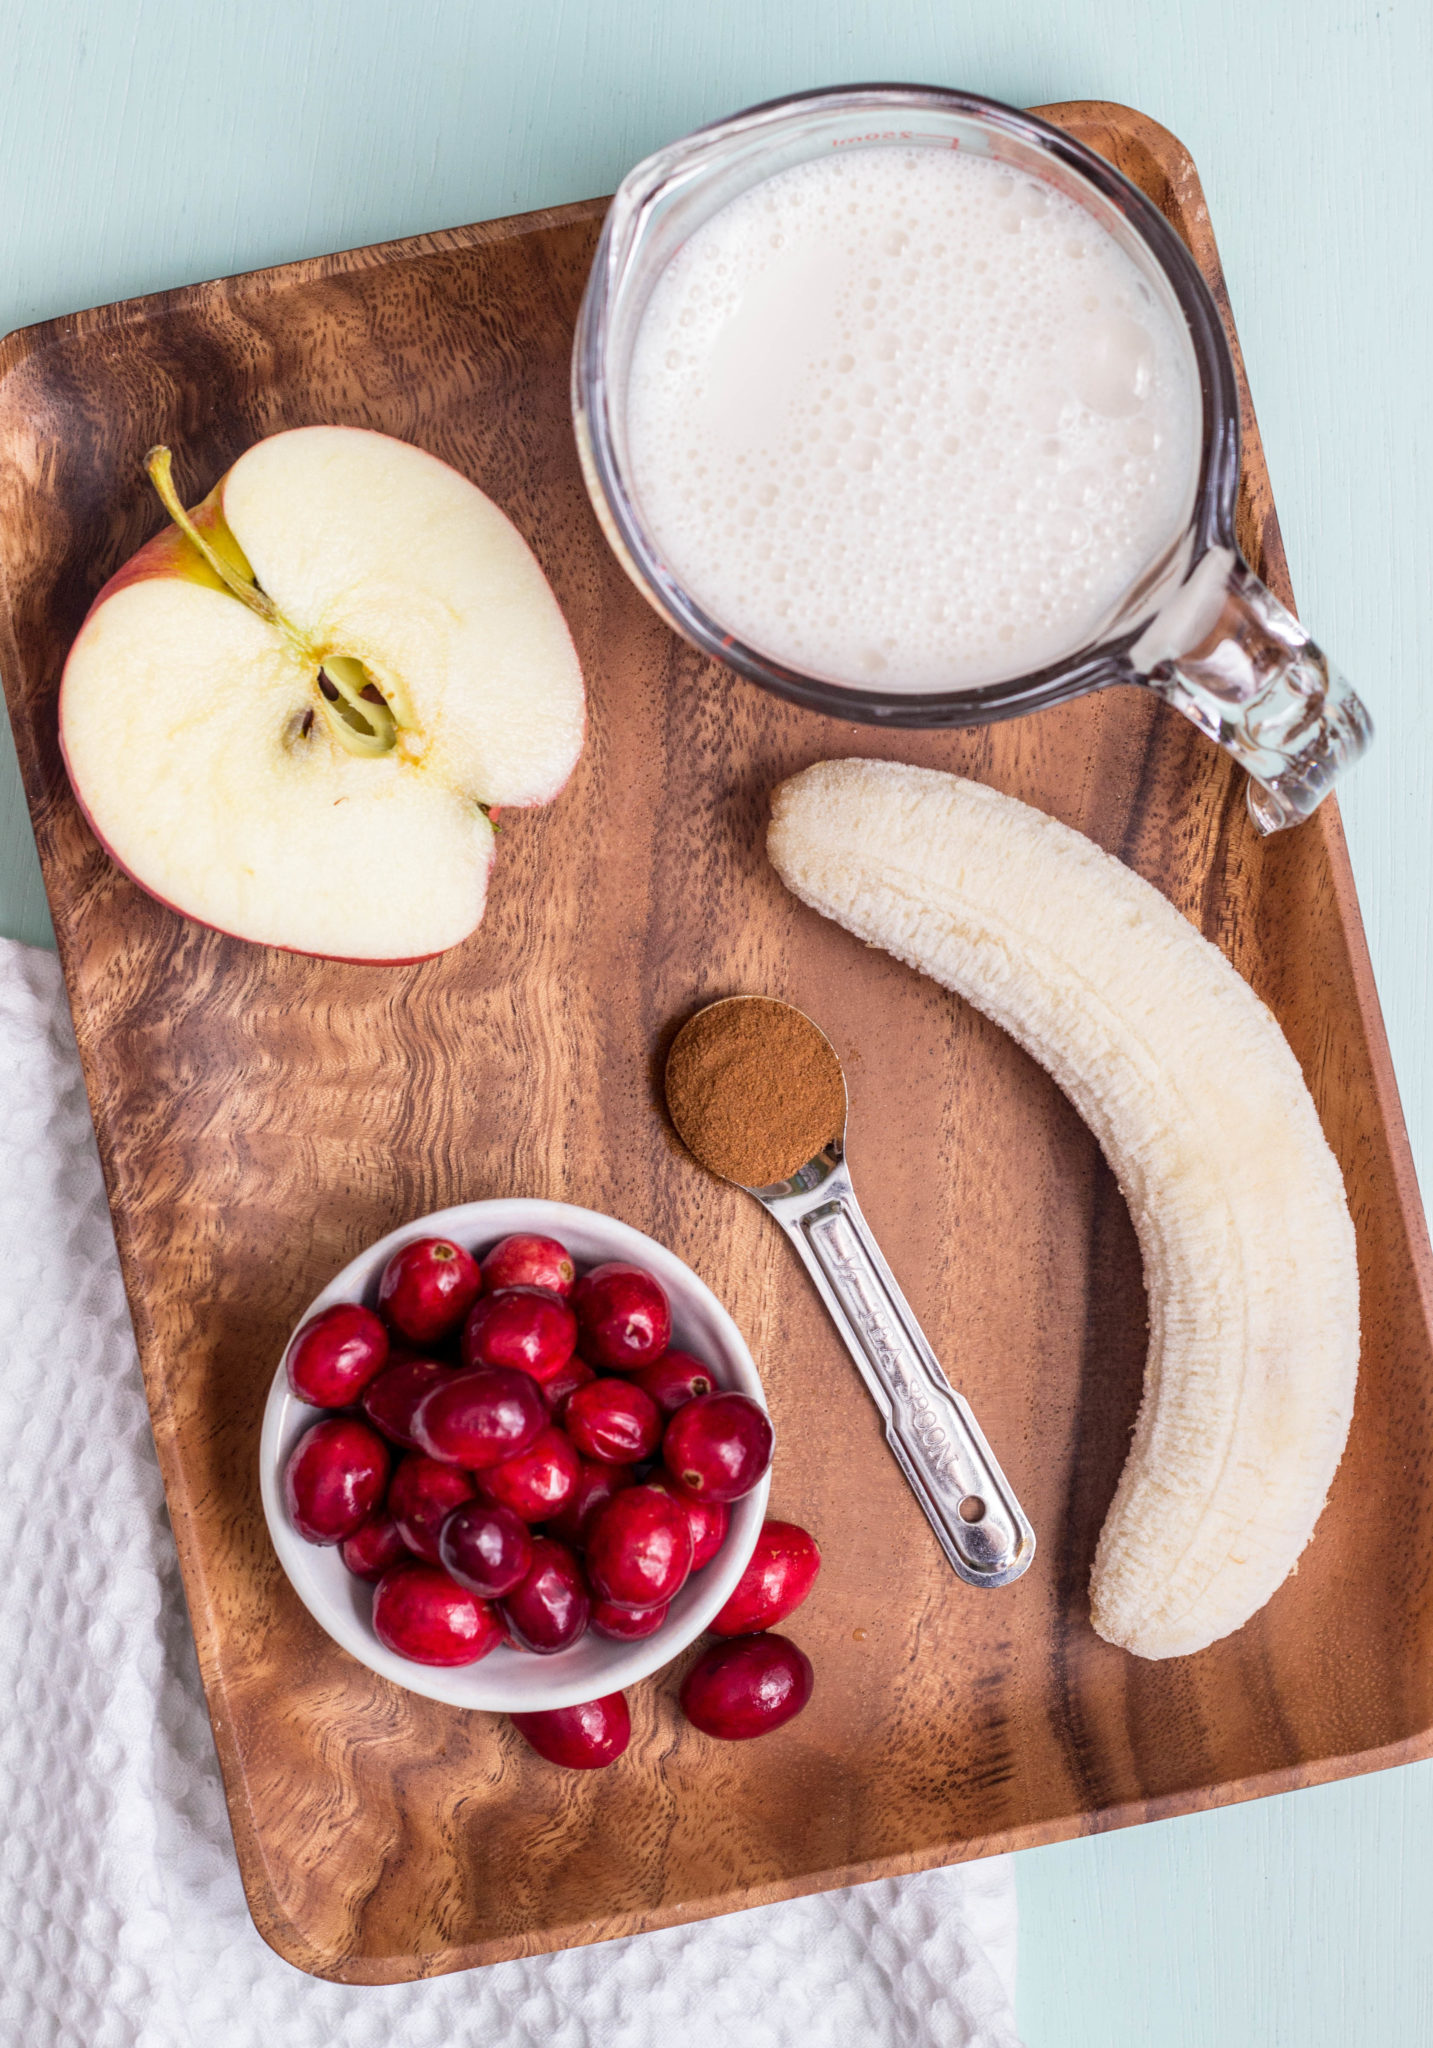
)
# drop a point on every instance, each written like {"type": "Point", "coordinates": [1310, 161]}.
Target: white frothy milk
{"type": "Point", "coordinates": [908, 419]}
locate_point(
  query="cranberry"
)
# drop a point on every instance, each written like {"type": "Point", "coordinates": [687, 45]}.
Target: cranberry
{"type": "Point", "coordinates": [527, 1261]}
{"type": "Point", "coordinates": [525, 1327]}
{"type": "Point", "coordinates": [596, 1485]}
{"type": "Point", "coordinates": [639, 1549]}
{"type": "Point", "coordinates": [479, 1418]}
{"type": "Point", "coordinates": [421, 1498]}
{"type": "Point", "coordinates": [746, 1687]}
{"type": "Point", "coordinates": [628, 1624]}
{"type": "Point", "coordinates": [675, 1379]}
{"type": "Point", "coordinates": [576, 1373]}
{"type": "Point", "coordinates": [613, 1422]}
{"type": "Point", "coordinates": [373, 1547]}
{"type": "Point", "coordinates": [624, 1317]}
{"type": "Point", "coordinates": [389, 1401]}
{"type": "Point", "coordinates": [487, 1549]}
{"type": "Point", "coordinates": [781, 1573]}
{"type": "Point", "coordinates": [334, 1478]}
{"type": "Point", "coordinates": [550, 1607]}
{"type": "Point", "coordinates": [709, 1519]}
{"type": "Point", "coordinates": [427, 1288]}
{"type": "Point", "coordinates": [539, 1481]}
{"type": "Point", "coordinates": [421, 1613]}
{"type": "Point", "coordinates": [336, 1354]}
{"type": "Point", "coordinates": [585, 1738]}
{"type": "Point", "coordinates": [718, 1447]}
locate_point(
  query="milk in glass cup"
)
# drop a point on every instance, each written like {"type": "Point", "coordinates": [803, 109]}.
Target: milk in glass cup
{"type": "Point", "coordinates": [913, 410]}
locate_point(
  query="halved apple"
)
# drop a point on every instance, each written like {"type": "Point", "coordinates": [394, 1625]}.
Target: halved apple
{"type": "Point", "coordinates": [290, 714]}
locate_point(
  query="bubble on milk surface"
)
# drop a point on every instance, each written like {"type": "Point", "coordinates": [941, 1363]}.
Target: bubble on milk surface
{"type": "Point", "coordinates": [949, 380]}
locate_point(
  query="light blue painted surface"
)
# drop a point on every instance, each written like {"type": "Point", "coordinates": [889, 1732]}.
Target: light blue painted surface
{"type": "Point", "coordinates": [146, 143]}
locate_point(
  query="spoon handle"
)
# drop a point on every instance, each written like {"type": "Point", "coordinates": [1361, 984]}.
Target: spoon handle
{"type": "Point", "coordinates": [936, 1439]}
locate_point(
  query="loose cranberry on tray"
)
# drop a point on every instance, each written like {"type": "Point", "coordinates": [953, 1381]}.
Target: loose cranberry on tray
{"type": "Point", "coordinates": [527, 1261]}
{"type": "Point", "coordinates": [746, 1687]}
{"type": "Point", "coordinates": [479, 1418]}
{"type": "Point", "coordinates": [334, 1478]}
{"type": "Point", "coordinates": [336, 1354]}
{"type": "Point", "coordinates": [524, 1327]}
{"type": "Point", "coordinates": [419, 1612]}
{"type": "Point", "coordinates": [427, 1288]}
{"type": "Point", "coordinates": [585, 1738]}
{"type": "Point", "coordinates": [780, 1573]}
{"type": "Point", "coordinates": [623, 1315]}
{"type": "Point", "coordinates": [718, 1447]}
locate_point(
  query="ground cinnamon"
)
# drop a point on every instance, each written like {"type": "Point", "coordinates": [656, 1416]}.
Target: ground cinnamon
{"type": "Point", "coordinates": [754, 1089]}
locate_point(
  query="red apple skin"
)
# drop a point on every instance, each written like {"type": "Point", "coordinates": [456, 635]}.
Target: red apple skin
{"type": "Point", "coordinates": [524, 1260]}
{"type": "Point", "coordinates": [336, 1354]}
{"type": "Point", "coordinates": [422, 1614]}
{"type": "Point", "coordinates": [334, 1478]}
{"type": "Point", "coordinates": [746, 1687]}
{"type": "Point", "coordinates": [585, 1738]}
{"type": "Point", "coordinates": [781, 1573]}
{"type": "Point", "coordinates": [169, 553]}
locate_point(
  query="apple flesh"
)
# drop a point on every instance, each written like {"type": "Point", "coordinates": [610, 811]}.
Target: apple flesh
{"type": "Point", "coordinates": [289, 715]}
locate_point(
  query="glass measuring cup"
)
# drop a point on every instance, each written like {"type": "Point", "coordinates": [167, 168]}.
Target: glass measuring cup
{"type": "Point", "coordinates": [1196, 625]}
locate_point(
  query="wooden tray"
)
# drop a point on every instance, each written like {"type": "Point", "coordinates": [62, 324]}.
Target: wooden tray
{"type": "Point", "coordinates": [262, 1117]}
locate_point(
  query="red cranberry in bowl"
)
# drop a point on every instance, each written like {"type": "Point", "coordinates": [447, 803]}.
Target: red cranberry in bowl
{"type": "Point", "coordinates": [746, 1687]}
{"type": "Point", "coordinates": [427, 1288]}
{"type": "Point", "coordinates": [623, 1316]}
{"type": "Point", "coordinates": [389, 1400]}
{"type": "Point", "coordinates": [488, 1549]}
{"type": "Point", "coordinates": [538, 1482]}
{"type": "Point", "coordinates": [709, 1519]}
{"type": "Point", "coordinates": [585, 1738]}
{"type": "Point", "coordinates": [639, 1549]}
{"type": "Point", "coordinates": [523, 1327]}
{"type": "Point", "coordinates": [336, 1354]}
{"type": "Point", "coordinates": [596, 1485]}
{"type": "Point", "coordinates": [718, 1447]}
{"type": "Point", "coordinates": [576, 1373]}
{"type": "Point", "coordinates": [422, 1496]}
{"type": "Point", "coordinates": [613, 1422]}
{"type": "Point", "coordinates": [675, 1379]}
{"type": "Point", "coordinates": [781, 1572]}
{"type": "Point", "coordinates": [527, 1261]}
{"type": "Point", "coordinates": [628, 1624]}
{"type": "Point", "coordinates": [550, 1606]}
{"type": "Point", "coordinates": [334, 1478]}
{"type": "Point", "coordinates": [479, 1418]}
{"type": "Point", "coordinates": [419, 1612]}
{"type": "Point", "coordinates": [373, 1547]}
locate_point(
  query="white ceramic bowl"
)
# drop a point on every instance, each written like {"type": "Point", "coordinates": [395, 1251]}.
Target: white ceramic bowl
{"type": "Point", "coordinates": [516, 1681]}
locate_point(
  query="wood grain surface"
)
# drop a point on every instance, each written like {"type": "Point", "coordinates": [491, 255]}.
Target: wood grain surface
{"type": "Point", "coordinates": [262, 1117]}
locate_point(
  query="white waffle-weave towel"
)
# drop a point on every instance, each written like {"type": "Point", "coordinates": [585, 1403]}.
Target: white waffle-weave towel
{"type": "Point", "coordinates": [122, 1920]}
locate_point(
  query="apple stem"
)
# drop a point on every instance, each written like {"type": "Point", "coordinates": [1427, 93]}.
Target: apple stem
{"type": "Point", "coordinates": [159, 464]}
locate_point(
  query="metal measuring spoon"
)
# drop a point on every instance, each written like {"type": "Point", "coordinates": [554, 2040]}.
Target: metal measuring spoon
{"type": "Point", "coordinates": [936, 1439]}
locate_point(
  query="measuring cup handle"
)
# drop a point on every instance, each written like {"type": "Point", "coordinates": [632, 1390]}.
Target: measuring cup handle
{"type": "Point", "coordinates": [931, 1430]}
{"type": "Point", "coordinates": [1226, 653]}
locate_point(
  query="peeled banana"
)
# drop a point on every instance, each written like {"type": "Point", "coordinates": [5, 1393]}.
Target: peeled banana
{"type": "Point", "coordinates": [1200, 1108]}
